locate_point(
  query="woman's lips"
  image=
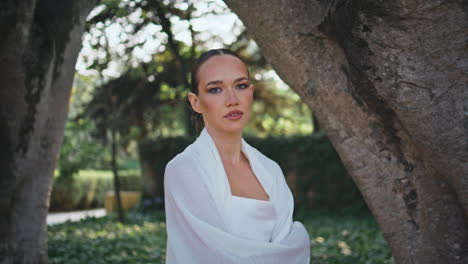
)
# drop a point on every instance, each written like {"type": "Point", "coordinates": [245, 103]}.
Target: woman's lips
{"type": "Point", "coordinates": [234, 115]}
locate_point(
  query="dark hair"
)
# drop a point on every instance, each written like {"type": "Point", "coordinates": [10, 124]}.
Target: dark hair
{"type": "Point", "coordinates": [196, 117]}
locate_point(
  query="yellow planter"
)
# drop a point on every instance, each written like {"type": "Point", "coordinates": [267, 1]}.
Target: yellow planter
{"type": "Point", "coordinates": [129, 200]}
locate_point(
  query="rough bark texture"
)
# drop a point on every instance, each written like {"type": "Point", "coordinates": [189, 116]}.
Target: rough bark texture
{"type": "Point", "coordinates": [387, 81]}
{"type": "Point", "coordinates": [40, 41]}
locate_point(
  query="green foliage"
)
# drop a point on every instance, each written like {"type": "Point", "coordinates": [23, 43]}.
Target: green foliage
{"type": "Point", "coordinates": [87, 189]}
{"type": "Point", "coordinates": [142, 239]}
{"type": "Point", "coordinates": [143, 98]}
{"type": "Point", "coordinates": [277, 111]}
{"type": "Point", "coordinates": [150, 92]}
{"type": "Point", "coordinates": [346, 239]}
{"type": "Point", "coordinates": [321, 179]}
{"type": "Point", "coordinates": [140, 102]}
{"type": "Point", "coordinates": [79, 148]}
{"type": "Point", "coordinates": [159, 152]}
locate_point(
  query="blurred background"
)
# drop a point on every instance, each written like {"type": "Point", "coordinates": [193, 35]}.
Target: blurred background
{"type": "Point", "coordinates": [128, 116]}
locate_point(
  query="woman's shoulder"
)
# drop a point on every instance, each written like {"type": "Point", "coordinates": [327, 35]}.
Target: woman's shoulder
{"type": "Point", "coordinates": [182, 169]}
{"type": "Point", "coordinates": [182, 161]}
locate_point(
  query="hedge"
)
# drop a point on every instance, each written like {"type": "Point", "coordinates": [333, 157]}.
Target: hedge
{"type": "Point", "coordinates": [310, 164]}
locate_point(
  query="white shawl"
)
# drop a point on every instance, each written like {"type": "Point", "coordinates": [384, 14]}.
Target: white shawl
{"type": "Point", "coordinates": [197, 199]}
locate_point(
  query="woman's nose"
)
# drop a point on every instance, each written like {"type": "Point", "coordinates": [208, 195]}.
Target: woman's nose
{"type": "Point", "coordinates": [232, 98]}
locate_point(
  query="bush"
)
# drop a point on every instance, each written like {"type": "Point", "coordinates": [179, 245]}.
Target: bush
{"type": "Point", "coordinates": [311, 165]}
{"type": "Point", "coordinates": [87, 189]}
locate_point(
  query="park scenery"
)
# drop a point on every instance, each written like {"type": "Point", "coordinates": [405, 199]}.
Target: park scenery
{"type": "Point", "coordinates": [363, 104]}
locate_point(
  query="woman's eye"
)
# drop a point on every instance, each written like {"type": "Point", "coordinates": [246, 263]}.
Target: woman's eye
{"type": "Point", "coordinates": [214, 90]}
{"type": "Point", "coordinates": [243, 85]}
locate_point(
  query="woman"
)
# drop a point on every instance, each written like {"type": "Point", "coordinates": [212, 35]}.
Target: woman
{"type": "Point", "coordinates": [225, 201]}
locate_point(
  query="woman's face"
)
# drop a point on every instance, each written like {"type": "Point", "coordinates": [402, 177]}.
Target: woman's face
{"type": "Point", "coordinates": [225, 94]}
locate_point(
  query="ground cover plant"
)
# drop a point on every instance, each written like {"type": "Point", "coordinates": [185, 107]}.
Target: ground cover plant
{"type": "Point", "coordinates": [343, 239]}
{"type": "Point", "coordinates": [142, 239]}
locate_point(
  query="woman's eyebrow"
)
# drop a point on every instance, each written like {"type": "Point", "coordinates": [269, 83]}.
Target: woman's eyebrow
{"type": "Point", "coordinates": [241, 79]}
{"type": "Point", "coordinates": [214, 82]}
{"type": "Point", "coordinates": [220, 82]}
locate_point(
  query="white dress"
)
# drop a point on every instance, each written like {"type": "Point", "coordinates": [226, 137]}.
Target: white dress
{"type": "Point", "coordinates": [251, 218]}
{"type": "Point", "coordinates": [207, 224]}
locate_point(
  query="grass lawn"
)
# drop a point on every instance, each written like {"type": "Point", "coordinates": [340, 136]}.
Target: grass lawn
{"type": "Point", "coordinates": [142, 239]}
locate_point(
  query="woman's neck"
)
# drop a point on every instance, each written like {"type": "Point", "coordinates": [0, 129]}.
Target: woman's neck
{"type": "Point", "coordinates": [228, 145]}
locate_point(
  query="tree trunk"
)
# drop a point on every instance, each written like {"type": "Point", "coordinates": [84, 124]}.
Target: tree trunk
{"type": "Point", "coordinates": [115, 172]}
{"type": "Point", "coordinates": [38, 51]}
{"type": "Point", "coordinates": [387, 82]}
{"type": "Point", "coordinates": [150, 183]}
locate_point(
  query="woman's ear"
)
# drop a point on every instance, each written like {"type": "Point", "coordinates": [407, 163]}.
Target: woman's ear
{"type": "Point", "coordinates": [193, 99]}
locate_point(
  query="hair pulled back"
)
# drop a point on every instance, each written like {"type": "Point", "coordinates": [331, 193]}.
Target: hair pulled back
{"type": "Point", "coordinates": [194, 81]}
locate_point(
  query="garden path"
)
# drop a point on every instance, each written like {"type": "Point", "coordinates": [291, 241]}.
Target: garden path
{"type": "Point", "coordinates": [58, 218]}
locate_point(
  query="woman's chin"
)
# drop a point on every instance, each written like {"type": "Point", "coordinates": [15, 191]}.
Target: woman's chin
{"type": "Point", "coordinates": [229, 126]}
{"type": "Point", "coordinates": [233, 128]}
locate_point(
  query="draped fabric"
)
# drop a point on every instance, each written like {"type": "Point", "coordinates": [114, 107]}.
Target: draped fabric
{"type": "Point", "coordinates": [198, 202]}
{"type": "Point", "coordinates": [251, 218]}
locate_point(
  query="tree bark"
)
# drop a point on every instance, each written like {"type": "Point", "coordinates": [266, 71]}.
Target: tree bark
{"type": "Point", "coordinates": [38, 51]}
{"type": "Point", "coordinates": [387, 82]}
